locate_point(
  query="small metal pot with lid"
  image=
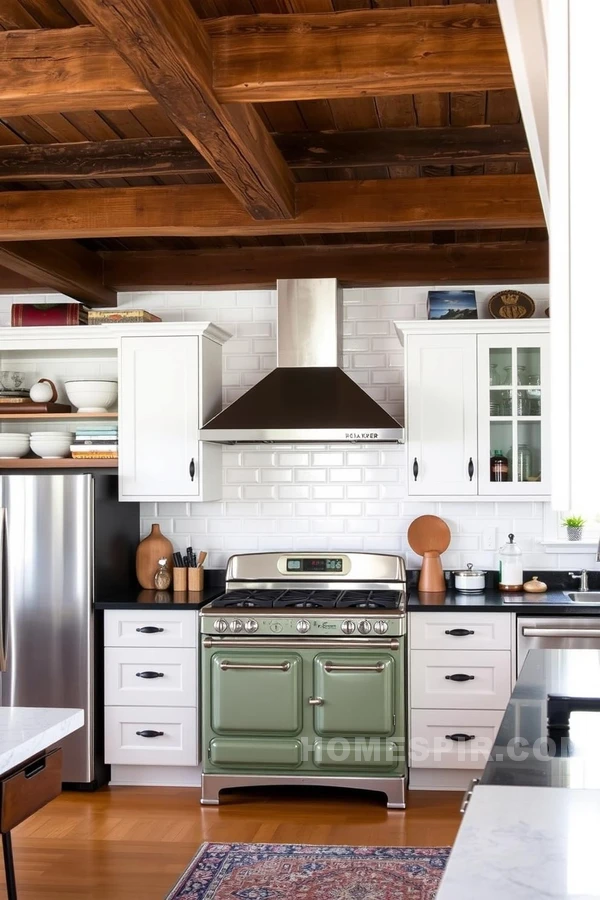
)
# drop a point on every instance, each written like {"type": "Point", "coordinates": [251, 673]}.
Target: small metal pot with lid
{"type": "Point", "coordinates": [469, 580]}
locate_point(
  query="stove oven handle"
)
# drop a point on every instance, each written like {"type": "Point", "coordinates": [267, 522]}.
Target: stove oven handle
{"type": "Point", "coordinates": [330, 667]}
{"type": "Point", "coordinates": [226, 666]}
{"type": "Point", "coordinates": [301, 643]}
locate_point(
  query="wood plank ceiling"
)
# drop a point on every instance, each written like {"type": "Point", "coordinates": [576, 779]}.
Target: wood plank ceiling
{"type": "Point", "coordinates": [162, 161]}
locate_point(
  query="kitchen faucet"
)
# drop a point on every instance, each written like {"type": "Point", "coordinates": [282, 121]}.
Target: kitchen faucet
{"type": "Point", "coordinates": [583, 576]}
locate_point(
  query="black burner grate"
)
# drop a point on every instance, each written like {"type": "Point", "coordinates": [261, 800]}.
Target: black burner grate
{"type": "Point", "coordinates": [307, 599]}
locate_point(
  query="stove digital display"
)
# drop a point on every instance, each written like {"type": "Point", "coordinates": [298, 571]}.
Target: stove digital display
{"type": "Point", "coordinates": [320, 564]}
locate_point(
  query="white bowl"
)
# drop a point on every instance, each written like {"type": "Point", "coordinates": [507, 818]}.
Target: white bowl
{"type": "Point", "coordinates": [13, 446]}
{"type": "Point", "coordinates": [51, 449]}
{"type": "Point", "coordinates": [91, 396]}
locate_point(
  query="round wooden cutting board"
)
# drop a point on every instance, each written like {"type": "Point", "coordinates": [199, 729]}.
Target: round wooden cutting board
{"type": "Point", "coordinates": [428, 534]}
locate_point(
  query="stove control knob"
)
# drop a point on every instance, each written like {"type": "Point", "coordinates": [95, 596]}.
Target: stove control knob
{"type": "Point", "coordinates": [220, 626]}
{"type": "Point", "coordinates": [251, 626]}
{"type": "Point", "coordinates": [302, 626]}
{"type": "Point", "coordinates": [364, 626]}
{"type": "Point", "coordinates": [380, 627]}
{"type": "Point", "coordinates": [236, 626]}
{"type": "Point", "coordinates": [348, 626]}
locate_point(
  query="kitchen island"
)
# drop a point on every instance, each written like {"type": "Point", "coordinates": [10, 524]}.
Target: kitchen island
{"type": "Point", "coordinates": [530, 829]}
{"type": "Point", "coordinates": [29, 775]}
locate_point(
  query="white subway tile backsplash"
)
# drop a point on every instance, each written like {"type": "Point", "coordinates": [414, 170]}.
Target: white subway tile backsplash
{"type": "Point", "coordinates": [321, 497]}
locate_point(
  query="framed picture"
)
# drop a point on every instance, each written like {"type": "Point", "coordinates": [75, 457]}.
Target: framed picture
{"type": "Point", "coordinates": [451, 305]}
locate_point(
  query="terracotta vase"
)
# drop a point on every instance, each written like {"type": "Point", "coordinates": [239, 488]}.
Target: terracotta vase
{"type": "Point", "coordinates": [149, 551]}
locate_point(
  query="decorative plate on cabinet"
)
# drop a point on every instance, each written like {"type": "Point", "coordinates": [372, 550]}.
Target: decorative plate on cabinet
{"type": "Point", "coordinates": [511, 305]}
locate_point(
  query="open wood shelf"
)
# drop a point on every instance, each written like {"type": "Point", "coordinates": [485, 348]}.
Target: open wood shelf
{"type": "Point", "coordinates": [36, 463]}
{"type": "Point", "coordinates": [8, 417]}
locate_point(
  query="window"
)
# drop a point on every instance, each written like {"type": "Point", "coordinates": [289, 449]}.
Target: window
{"type": "Point", "coordinates": [555, 534]}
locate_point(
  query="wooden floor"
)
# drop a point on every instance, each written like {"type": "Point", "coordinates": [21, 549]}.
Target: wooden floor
{"type": "Point", "coordinates": [130, 843]}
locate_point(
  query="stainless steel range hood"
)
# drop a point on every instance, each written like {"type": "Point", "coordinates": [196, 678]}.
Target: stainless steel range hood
{"type": "Point", "coordinates": [307, 397]}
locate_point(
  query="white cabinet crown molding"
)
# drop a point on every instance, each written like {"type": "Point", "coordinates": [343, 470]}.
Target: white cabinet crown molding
{"type": "Point", "coordinates": [475, 326]}
{"type": "Point", "coordinates": [94, 337]}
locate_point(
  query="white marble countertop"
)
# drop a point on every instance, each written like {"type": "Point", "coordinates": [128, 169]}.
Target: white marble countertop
{"type": "Point", "coordinates": [26, 730]}
{"type": "Point", "coordinates": [526, 843]}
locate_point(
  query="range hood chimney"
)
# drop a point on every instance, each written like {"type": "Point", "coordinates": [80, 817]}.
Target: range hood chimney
{"type": "Point", "coordinates": [307, 397]}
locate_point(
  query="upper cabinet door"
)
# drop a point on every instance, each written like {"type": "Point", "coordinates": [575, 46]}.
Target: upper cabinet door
{"type": "Point", "coordinates": [514, 399]}
{"type": "Point", "coordinates": [159, 418]}
{"type": "Point", "coordinates": [441, 414]}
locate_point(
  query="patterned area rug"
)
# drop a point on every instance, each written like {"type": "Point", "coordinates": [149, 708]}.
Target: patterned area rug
{"type": "Point", "coordinates": [311, 872]}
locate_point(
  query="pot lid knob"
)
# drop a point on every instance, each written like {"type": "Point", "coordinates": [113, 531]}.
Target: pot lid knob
{"type": "Point", "coordinates": [469, 566]}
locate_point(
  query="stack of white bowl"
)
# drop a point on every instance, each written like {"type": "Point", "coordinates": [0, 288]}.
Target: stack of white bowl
{"type": "Point", "coordinates": [13, 445]}
{"type": "Point", "coordinates": [51, 444]}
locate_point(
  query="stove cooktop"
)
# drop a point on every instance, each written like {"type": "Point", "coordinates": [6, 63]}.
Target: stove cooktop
{"type": "Point", "coordinates": [308, 599]}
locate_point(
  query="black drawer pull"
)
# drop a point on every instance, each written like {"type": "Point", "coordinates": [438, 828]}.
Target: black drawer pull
{"type": "Point", "coordinates": [192, 469]}
{"type": "Point", "coordinates": [149, 629]}
{"type": "Point", "coordinates": [459, 737]}
{"type": "Point", "coordinates": [471, 469]}
{"type": "Point", "coordinates": [35, 768]}
{"type": "Point", "coordinates": [416, 469]}
{"type": "Point", "coordinates": [459, 677]}
{"type": "Point", "coordinates": [149, 674]}
{"type": "Point", "coordinates": [459, 632]}
{"type": "Point", "coordinates": [149, 733]}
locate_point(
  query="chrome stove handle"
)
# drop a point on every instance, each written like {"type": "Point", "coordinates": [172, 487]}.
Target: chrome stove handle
{"type": "Point", "coordinates": [316, 701]}
{"type": "Point", "coordinates": [301, 643]}
{"type": "Point", "coordinates": [331, 667]}
{"type": "Point", "coordinates": [226, 666]}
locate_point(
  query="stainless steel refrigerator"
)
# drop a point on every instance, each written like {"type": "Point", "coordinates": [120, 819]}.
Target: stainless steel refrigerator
{"type": "Point", "coordinates": [65, 541]}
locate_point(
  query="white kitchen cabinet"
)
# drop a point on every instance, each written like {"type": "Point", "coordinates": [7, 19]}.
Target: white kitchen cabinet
{"type": "Point", "coordinates": [151, 721]}
{"type": "Point", "coordinates": [473, 388]}
{"type": "Point", "coordinates": [441, 414]}
{"type": "Point", "coordinates": [170, 385]}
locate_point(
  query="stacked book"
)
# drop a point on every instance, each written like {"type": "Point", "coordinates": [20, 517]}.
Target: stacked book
{"type": "Point", "coordinates": [96, 441]}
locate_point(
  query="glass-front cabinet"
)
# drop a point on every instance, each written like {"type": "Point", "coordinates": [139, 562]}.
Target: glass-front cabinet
{"type": "Point", "coordinates": [513, 391]}
{"type": "Point", "coordinates": [477, 408]}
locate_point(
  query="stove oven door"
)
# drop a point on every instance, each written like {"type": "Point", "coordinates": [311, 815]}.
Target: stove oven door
{"type": "Point", "coordinates": [256, 692]}
{"type": "Point", "coordinates": [354, 693]}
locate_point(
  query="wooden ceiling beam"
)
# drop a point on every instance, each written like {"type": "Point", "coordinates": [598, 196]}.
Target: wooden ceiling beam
{"type": "Point", "coordinates": [13, 283]}
{"type": "Point", "coordinates": [264, 58]}
{"type": "Point", "coordinates": [165, 44]}
{"type": "Point", "coordinates": [61, 266]}
{"type": "Point", "coordinates": [354, 265]}
{"type": "Point", "coordinates": [485, 201]}
{"type": "Point", "coordinates": [366, 52]}
{"type": "Point", "coordinates": [135, 157]}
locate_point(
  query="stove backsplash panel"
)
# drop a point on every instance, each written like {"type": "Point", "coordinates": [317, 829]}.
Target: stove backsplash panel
{"type": "Point", "coordinates": [325, 497]}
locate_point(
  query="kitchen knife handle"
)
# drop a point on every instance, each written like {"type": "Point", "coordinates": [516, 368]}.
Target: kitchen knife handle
{"type": "Point", "coordinates": [459, 737]}
{"type": "Point", "coordinates": [192, 468]}
{"type": "Point", "coordinates": [149, 674]}
{"type": "Point", "coordinates": [471, 468]}
{"type": "Point", "coordinates": [149, 733]}
{"type": "Point", "coordinates": [460, 676]}
{"type": "Point", "coordinates": [416, 468]}
{"type": "Point", "coordinates": [459, 632]}
{"type": "Point", "coordinates": [149, 629]}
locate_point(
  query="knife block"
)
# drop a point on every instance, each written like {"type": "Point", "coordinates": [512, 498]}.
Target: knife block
{"type": "Point", "coordinates": [432, 578]}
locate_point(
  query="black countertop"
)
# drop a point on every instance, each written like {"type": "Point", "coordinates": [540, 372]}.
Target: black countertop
{"type": "Point", "coordinates": [553, 602]}
{"type": "Point", "coordinates": [140, 599]}
{"type": "Point", "coordinates": [521, 754]}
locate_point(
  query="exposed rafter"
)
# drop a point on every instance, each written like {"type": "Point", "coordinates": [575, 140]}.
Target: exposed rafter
{"type": "Point", "coordinates": [489, 201]}
{"type": "Point", "coordinates": [354, 265]}
{"type": "Point", "coordinates": [166, 46]}
{"type": "Point", "coordinates": [135, 157]}
{"type": "Point", "coordinates": [61, 266]}
{"type": "Point", "coordinates": [254, 58]}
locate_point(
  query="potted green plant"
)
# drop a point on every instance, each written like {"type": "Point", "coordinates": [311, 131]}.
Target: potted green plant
{"type": "Point", "coordinates": [574, 526]}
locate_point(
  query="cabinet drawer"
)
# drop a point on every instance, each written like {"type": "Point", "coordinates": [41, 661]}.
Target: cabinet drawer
{"type": "Point", "coordinates": [143, 628]}
{"type": "Point", "coordinates": [29, 788]}
{"type": "Point", "coordinates": [174, 742]}
{"type": "Point", "coordinates": [432, 747]}
{"type": "Point", "coordinates": [255, 753]}
{"type": "Point", "coordinates": [485, 681]}
{"type": "Point", "coordinates": [484, 631]}
{"type": "Point", "coordinates": [156, 677]}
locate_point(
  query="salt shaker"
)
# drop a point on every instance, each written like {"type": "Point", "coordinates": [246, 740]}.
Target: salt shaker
{"type": "Point", "coordinates": [162, 577]}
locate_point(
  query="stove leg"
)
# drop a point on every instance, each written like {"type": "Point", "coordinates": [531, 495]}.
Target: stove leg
{"type": "Point", "coordinates": [210, 792]}
{"type": "Point", "coordinates": [397, 796]}
{"type": "Point", "coordinates": [9, 866]}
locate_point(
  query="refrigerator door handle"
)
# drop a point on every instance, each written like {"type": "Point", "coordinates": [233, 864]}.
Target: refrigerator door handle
{"type": "Point", "coordinates": [3, 588]}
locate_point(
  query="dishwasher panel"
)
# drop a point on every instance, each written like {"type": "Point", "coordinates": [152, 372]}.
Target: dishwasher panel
{"type": "Point", "coordinates": [552, 633]}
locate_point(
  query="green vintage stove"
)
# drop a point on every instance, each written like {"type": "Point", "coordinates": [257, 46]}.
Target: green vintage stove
{"type": "Point", "coordinates": [303, 674]}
